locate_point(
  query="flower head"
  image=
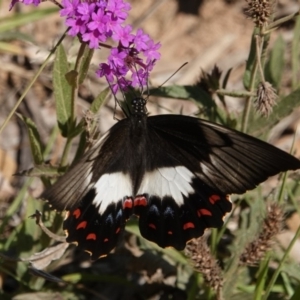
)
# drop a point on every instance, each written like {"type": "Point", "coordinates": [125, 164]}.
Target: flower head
{"type": "Point", "coordinates": [259, 11]}
{"type": "Point", "coordinates": [129, 61]}
{"type": "Point", "coordinates": [97, 20]}
{"type": "Point", "coordinates": [266, 98]}
{"type": "Point", "coordinates": [94, 21]}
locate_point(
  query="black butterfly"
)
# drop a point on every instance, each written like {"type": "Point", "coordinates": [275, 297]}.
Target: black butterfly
{"type": "Point", "coordinates": [174, 172]}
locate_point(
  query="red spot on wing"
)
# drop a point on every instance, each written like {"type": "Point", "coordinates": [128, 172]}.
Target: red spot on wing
{"type": "Point", "coordinates": [91, 236]}
{"type": "Point", "coordinates": [170, 232]}
{"type": "Point", "coordinates": [188, 225]}
{"type": "Point", "coordinates": [81, 225]}
{"type": "Point", "coordinates": [127, 203]}
{"type": "Point", "coordinates": [118, 230]}
{"type": "Point", "coordinates": [151, 225]}
{"type": "Point", "coordinates": [214, 198]}
{"type": "Point", "coordinates": [140, 201]}
{"type": "Point", "coordinates": [77, 213]}
{"type": "Point", "coordinates": [203, 212]}
{"type": "Point", "coordinates": [105, 240]}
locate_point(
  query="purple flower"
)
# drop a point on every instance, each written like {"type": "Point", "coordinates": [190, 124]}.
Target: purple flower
{"type": "Point", "coordinates": [151, 51]}
{"type": "Point", "coordinates": [85, 10]}
{"type": "Point", "coordinates": [34, 2]}
{"type": "Point", "coordinates": [93, 38]}
{"type": "Point", "coordinates": [98, 21]}
{"type": "Point", "coordinates": [102, 4]}
{"type": "Point", "coordinates": [69, 8]}
{"type": "Point", "coordinates": [119, 8]}
{"type": "Point", "coordinates": [124, 83]}
{"type": "Point", "coordinates": [12, 4]}
{"type": "Point", "coordinates": [105, 70]}
{"type": "Point", "coordinates": [129, 61]}
{"type": "Point", "coordinates": [140, 78]}
{"type": "Point", "coordinates": [76, 26]}
{"type": "Point", "coordinates": [123, 35]}
{"type": "Point", "coordinates": [116, 58]}
{"type": "Point", "coordinates": [141, 40]}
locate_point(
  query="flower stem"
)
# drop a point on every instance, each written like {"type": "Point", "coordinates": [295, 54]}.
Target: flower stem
{"type": "Point", "coordinates": [258, 44]}
{"type": "Point", "coordinates": [279, 267]}
{"type": "Point", "coordinates": [278, 22]}
{"type": "Point", "coordinates": [236, 94]}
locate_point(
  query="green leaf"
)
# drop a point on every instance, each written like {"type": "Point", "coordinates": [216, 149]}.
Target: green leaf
{"type": "Point", "coordinates": [226, 78]}
{"type": "Point", "coordinates": [85, 63]}
{"type": "Point", "coordinates": [186, 92]}
{"type": "Point", "coordinates": [262, 277]}
{"type": "Point", "coordinates": [71, 78]}
{"type": "Point", "coordinates": [15, 35]}
{"type": "Point", "coordinates": [249, 226]}
{"type": "Point", "coordinates": [296, 295]}
{"type": "Point", "coordinates": [81, 145]}
{"type": "Point", "coordinates": [62, 91]}
{"type": "Point", "coordinates": [43, 170]}
{"type": "Point", "coordinates": [275, 65]}
{"type": "Point", "coordinates": [34, 139]}
{"type": "Point", "coordinates": [88, 277]}
{"type": "Point", "coordinates": [24, 240]}
{"type": "Point", "coordinates": [296, 54]}
{"type": "Point", "coordinates": [79, 128]}
{"type": "Point", "coordinates": [224, 84]}
{"type": "Point", "coordinates": [14, 206]}
{"type": "Point", "coordinates": [99, 100]}
{"type": "Point", "coordinates": [250, 63]}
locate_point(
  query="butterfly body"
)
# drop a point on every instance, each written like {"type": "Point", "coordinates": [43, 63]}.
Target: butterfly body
{"type": "Point", "coordinates": [174, 172]}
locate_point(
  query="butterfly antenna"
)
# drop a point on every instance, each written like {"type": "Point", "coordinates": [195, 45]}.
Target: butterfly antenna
{"type": "Point", "coordinates": [173, 74]}
{"type": "Point", "coordinates": [141, 84]}
{"type": "Point", "coordinates": [148, 91]}
{"type": "Point", "coordinates": [117, 101]}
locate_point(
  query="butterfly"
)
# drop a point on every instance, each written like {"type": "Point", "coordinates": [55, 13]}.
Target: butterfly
{"type": "Point", "coordinates": [174, 172]}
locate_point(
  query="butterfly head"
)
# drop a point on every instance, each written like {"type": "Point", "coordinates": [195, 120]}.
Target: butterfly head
{"type": "Point", "coordinates": [138, 105]}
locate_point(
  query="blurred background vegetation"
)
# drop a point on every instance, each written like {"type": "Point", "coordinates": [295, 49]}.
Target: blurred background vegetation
{"type": "Point", "coordinates": [205, 34]}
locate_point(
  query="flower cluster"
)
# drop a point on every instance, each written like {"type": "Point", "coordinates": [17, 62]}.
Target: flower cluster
{"type": "Point", "coordinates": [137, 58]}
{"type": "Point", "coordinates": [95, 21]}
{"type": "Point", "coordinates": [259, 11]}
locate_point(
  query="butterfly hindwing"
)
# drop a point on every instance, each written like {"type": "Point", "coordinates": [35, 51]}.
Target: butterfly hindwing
{"type": "Point", "coordinates": [95, 232]}
{"type": "Point", "coordinates": [179, 207]}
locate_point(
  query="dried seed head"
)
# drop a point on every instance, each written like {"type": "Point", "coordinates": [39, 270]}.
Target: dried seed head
{"type": "Point", "coordinates": [210, 82]}
{"type": "Point", "coordinates": [272, 225]}
{"type": "Point", "coordinates": [259, 11]}
{"type": "Point", "coordinates": [203, 262]}
{"type": "Point", "coordinates": [266, 98]}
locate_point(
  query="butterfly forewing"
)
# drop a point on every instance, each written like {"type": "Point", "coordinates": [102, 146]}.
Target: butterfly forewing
{"type": "Point", "coordinates": [174, 172]}
{"type": "Point", "coordinates": [225, 159]}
